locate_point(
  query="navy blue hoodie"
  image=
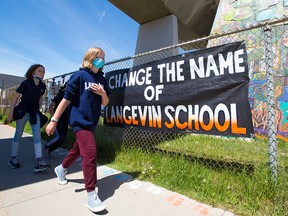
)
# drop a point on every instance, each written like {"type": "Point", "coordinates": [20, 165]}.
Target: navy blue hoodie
{"type": "Point", "coordinates": [85, 107]}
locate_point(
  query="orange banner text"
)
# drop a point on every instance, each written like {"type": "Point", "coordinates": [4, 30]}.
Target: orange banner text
{"type": "Point", "coordinates": [191, 117]}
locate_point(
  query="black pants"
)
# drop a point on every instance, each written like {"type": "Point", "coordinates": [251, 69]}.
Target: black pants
{"type": "Point", "coordinates": [59, 138]}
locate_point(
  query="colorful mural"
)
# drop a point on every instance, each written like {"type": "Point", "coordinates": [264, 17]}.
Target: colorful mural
{"type": "Point", "coordinates": [239, 14]}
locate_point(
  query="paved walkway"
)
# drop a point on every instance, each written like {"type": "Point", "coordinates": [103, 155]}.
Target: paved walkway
{"type": "Point", "coordinates": [23, 192]}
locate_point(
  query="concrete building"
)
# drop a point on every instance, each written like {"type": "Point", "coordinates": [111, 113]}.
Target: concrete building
{"type": "Point", "coordinates": [7, 82]}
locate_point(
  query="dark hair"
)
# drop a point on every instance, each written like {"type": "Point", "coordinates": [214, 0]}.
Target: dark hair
{"type": "Point", "coordinates": [31, 70]}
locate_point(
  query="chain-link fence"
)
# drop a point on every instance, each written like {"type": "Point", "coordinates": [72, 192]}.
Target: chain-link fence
{"type": "Point", "coordinates": [267, 154]}
{"type": "Point", "coordinates": [267, 48]}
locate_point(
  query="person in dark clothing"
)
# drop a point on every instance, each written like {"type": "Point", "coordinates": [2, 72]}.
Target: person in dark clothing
{"type": "Point", "coordinates": [86, 90]}
{"type": "Point", "coordinates": [62, 125]}
{"type": "Point", "coordinates": [29, 94]}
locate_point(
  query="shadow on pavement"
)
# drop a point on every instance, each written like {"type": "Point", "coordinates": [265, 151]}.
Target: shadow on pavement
{"type": "Point", "coordinates": [11, 178]}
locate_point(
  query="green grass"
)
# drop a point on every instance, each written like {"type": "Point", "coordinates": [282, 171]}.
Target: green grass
{"type": "Point", "coordinates": [228, 149]}
{"type": "Point", "coordinates": [239, 191]}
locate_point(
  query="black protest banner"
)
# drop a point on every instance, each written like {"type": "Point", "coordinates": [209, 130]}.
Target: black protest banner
{"type": "Point", "coordinates": [205, 92]}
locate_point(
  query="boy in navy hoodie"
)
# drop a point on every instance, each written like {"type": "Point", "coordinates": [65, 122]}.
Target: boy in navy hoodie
{"type": "Point", "coordinates": [86, 90]}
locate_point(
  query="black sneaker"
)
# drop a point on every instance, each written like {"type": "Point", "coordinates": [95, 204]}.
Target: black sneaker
{"type": "Point", "coordinates": [14, 163]}
{"type": "Point", "coordinates": [41, 166]}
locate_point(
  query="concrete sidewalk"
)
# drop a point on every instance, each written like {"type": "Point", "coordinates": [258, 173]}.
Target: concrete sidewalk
{"type": "Point", "coordinates": [25, 193]}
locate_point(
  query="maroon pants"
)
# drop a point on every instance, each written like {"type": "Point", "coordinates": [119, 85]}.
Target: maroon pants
{"type": "Point", "coordinates": [84, 146]}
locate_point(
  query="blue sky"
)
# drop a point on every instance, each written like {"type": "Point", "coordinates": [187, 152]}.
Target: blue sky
{"type": "Point", "coordinates": [57, 33]}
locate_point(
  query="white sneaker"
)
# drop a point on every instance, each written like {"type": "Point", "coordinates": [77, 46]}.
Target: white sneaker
{"type": "Point", "coordinates": [94, 203]}
{"type": "Point", "coordinates": [61, 175]}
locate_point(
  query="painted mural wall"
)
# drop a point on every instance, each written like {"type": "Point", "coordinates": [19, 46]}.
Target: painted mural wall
{"type": "Point", "coordinates": [239, 14]}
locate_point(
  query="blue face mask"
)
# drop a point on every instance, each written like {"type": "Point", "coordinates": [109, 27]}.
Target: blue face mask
{"type": "Point", "coordinates": [98, 63]}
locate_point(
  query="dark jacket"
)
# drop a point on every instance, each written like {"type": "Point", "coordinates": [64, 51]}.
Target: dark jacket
{"type": "Point", "coordinates": [31, 95]}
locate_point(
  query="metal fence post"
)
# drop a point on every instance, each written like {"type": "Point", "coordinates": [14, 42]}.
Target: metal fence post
{"type": "Point", "coordinates": [1, 97]}
{"type": "Point", "coordinates": [271, 102]}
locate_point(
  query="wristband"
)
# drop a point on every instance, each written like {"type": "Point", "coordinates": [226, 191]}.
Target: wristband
{"type": "Point", "coordinates": [54, 119]}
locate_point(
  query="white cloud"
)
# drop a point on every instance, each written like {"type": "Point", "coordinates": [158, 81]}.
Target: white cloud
{"type": "Point", "coordinates": [101, 16]}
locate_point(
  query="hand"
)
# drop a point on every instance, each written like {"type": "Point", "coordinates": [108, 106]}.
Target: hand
{"type": "Point", "coordinates": [50, 128]}
{"type": "Point", "coordinates": [97, 89]}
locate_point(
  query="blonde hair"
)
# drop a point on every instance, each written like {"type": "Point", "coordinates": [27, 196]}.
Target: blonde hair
{"type": "Point", "coordinates": [90, 55]}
